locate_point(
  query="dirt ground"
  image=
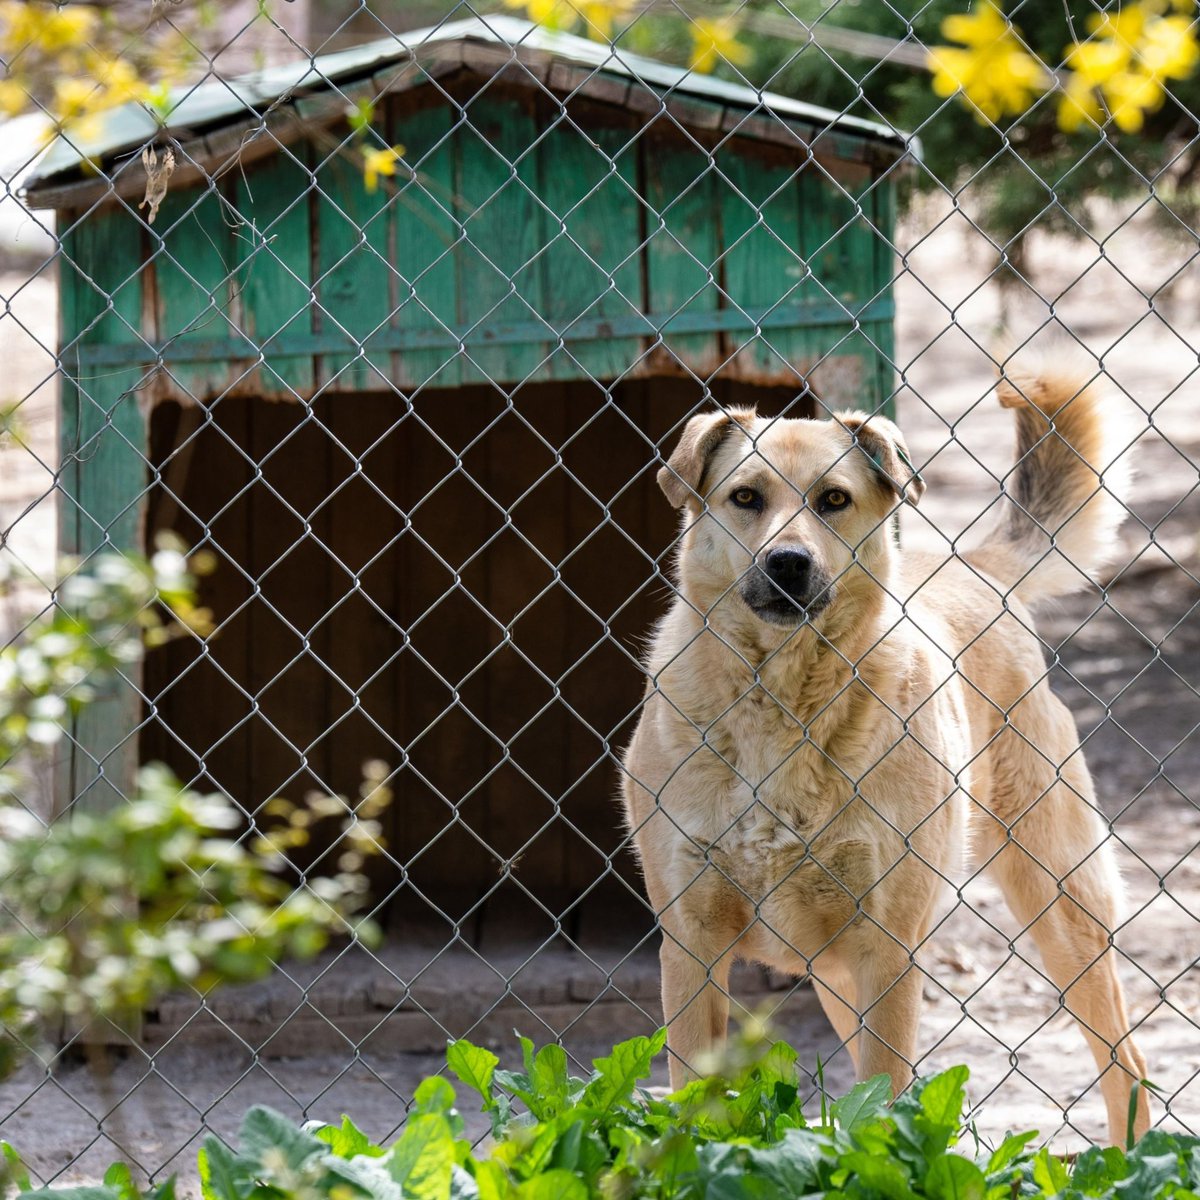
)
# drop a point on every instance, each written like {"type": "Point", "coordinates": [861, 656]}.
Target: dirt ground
{"type": "Point", "coordinates": [1127, 661]}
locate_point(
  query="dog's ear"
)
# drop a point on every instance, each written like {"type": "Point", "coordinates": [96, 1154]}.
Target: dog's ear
{"type": "Point", "coordinates": [883, 444]}
{"type": "Point", "coordinates": [683, 476]}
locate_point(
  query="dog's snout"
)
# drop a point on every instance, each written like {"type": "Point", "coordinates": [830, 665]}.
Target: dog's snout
{"type": "Point", "coordinates": [788, 567]}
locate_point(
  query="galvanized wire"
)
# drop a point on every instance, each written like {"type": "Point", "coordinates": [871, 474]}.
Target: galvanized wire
{"type": "Point", "coordinates": [403, 982]}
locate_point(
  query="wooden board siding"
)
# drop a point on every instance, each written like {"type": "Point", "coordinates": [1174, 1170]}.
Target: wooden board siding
{"type": "Point", "coordinates": [103, 473]}
{"type": "Point", "coordinates": [474, 628]}
{"type": "Point", "coordinates": [521, 239]}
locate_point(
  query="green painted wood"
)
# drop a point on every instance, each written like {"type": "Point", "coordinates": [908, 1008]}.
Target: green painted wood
{"type": "Point", "coordinates": [683, 249]}
{"type": "Point", "coordinates": [275, 265]}
{"type": "Point", "coordinates": [827, 214]}
{"type": "Point", "coordinates": [592, 263]}
{"type": "Point", "coordinates": [801, 315]}
{"type": "Point", "coordinates": [884, 332]}
{"type": "Point", "coordinates": [355, 277]}
{"type": "Point", "coordinates": [499, 277]}
{"type": "Point", "coordinates": [103, 475]}
{"type": "Point", "coordinates": [762, 263]}
{"type": "Point", "coordinates": [426, 230]}
{"type": "Point", "coordinates": [192, 247]}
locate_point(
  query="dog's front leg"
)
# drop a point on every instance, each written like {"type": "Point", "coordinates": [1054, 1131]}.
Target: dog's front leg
{"type": "Point", "coordinates": [695, 996]}
{"type": "Point", "coordinates": [888, 986]}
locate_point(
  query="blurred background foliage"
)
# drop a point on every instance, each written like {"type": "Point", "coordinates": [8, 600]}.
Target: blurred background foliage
{"type": "Point", "coordinates": [1018, 172]}
{"type": "Point", "coordinates": [1075, 106]}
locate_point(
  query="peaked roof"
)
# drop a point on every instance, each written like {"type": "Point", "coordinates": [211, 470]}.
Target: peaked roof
{"type": "Point", "coordinates": [402, 61]}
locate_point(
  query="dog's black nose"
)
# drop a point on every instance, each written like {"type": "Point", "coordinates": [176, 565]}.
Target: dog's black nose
{"type": "Point", "coordinates": [789, 568]}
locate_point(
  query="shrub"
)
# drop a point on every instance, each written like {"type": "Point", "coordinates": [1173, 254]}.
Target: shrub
{"type": "Point", "coordinates": [740, 1135]}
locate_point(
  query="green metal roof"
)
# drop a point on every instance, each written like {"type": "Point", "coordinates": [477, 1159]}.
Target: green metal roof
{"type": "Point", "coordinates": [210, 105]}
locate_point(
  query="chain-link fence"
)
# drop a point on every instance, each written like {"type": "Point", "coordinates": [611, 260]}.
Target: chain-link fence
{"type": "Point", "coordinates": [406, 330]}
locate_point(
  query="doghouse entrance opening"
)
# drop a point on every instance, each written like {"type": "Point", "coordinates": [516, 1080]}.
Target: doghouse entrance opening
{"type": "Point", "coordinates": [456, 586]}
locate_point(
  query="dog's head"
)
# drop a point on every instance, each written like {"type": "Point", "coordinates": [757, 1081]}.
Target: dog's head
{"type": "Point", "coordinates": [784, 516]}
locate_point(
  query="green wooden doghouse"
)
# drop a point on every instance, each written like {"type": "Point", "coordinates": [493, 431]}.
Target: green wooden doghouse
{"type": "Point", "coordinates": [418, 427]}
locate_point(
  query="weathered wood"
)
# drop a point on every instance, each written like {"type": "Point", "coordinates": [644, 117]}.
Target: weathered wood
{"type": "Point", "coordinates": [103, 476]}
{"type": "Point", "coordinates": [275, 264]}
{"type": "Point", "coordinates": [192, 253]}
{"type": "Point", "coordinates": [427, 227]}
{"type": "Point", "coordinates": [763, 267]}
{"type": "Point", "coordinates": [591, 266]}
{"type": "Point", "coordinates": [498, 262]}
{"type": "Point", "coordinates": [355, 290]}
{"type": "Point", "coordinates": [683, 249]}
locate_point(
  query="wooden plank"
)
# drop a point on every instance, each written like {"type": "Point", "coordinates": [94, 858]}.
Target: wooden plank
{"type": "Point", "coordinates": [762, 263]}
{"type": "Point", "coordinates": [198, 691]}
{"type": "Point", "coordinates": [355, 279]}
{"type": "Point", "coordinates": [592, 244]}
{"type": "Point", "coordinates": [515, 808]}
{"type": "Point", "coordinates": [362, 637]}
{"type": "Point", "coordinates": [275, 265]}
{"type": "Point", "coordinates": [193, 255]}
{"type": "Point", "coordinates": [499, 279]}
{"type": "Point", "coordinates": [884, 332]}
{"type": "Point", "coordinates": [286, 682]}
{"type": "Point", "coordinates": [426, 231]}
{"type": "Point", "coordinates": [103, 476]}
{"type": "Point", "coordinates": [682, 252]}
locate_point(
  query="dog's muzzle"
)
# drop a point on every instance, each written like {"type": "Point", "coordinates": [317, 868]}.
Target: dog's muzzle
{"type": "Point", "coordinates": [785, 586]}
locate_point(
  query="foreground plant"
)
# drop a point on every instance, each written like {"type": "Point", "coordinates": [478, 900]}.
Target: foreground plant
{"type": "Point", "coordinates": [735, 1135]}
{"type": "Point", "coordinates": [105, 911]}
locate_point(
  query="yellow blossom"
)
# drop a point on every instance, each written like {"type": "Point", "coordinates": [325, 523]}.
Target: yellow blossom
{"type": "Point", "coordinates": [13, 97]}
{"type": "Point", "coordinates": [714, 39]}
{"type": "Point", "coordinates": [1169, 48]}
{"type": "Point", "coordinates": [72, 97]}
{"type": "Point", "coordinates": [379, 162]}
{"type": "Point", "coordinates": [995, 73]}
{"type": "Point", "coordinates": [601, 15]}
{"type": "Point", "coordinates": [44, 26]}
{"type": "Point", "coordinates": [1121, 68]}
{"type": "Point", "coordinates": [550, 13]}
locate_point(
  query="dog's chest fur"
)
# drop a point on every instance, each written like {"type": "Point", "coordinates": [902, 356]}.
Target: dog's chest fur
{"type": "Point", "coordinates": [766, 790]}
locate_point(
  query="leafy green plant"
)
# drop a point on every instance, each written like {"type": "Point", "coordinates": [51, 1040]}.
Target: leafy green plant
{"type": "Point", "coordinates": [105, 911]}
{"type": "Point", "coordinates": [739, 1135]}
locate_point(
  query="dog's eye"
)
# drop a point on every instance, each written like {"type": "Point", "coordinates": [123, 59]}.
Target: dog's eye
{"type": "Point", "coordinates": [747, 498]}
{"type": "Point", "coordinates": [834, 499]}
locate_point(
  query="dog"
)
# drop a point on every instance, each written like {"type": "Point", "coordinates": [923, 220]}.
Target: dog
{"type": "Point", "coordinates": [834, 725]}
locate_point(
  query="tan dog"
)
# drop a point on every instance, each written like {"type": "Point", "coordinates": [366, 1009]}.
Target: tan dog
{"type": "Point", "coordinates": [831, 723]}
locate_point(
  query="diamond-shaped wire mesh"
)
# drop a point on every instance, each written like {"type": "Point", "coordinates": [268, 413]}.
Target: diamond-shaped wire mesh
{"type": "Point", "coordinates": [414, 380]}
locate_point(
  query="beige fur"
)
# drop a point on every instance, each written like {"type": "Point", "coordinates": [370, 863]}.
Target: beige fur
{"type": "Point", "coordinates": [807, 772]}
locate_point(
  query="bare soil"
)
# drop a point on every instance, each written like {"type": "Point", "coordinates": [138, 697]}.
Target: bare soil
{"type": "Point", "coordinates": [1126, 659]}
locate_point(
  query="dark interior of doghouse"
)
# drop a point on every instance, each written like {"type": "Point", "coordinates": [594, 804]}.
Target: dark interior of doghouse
{"type": "Point", "coordinates": [453, 586]}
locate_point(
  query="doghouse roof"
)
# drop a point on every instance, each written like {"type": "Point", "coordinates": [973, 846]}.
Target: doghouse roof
{"type": "Point", "coordinates": [223, 120]}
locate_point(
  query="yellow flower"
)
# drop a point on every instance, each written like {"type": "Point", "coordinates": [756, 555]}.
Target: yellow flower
{"type": "Point", "coordinates": [995, 73]}
{"type": "Point", "coordinates": [981, 29]}
{"type": "Point", "coordinates": [1169, 48]}
{"type": "Point", "coordinates": [379, 162]}
{"type": "Point", "coordinates": [543, 12]}
{"type": "Point", "coordinates": [118, 78]}
{"type": "Point", "coordinates": [601, 15]}
{"type": "Point", "coordinates": [45, 27]}
{"type": "Point", "coordinates": [72, 97]}
{"type": "Point", "coordinates": [1131, 95]}
{"type": "Point", "coordinates": [1121, 68]}
{"type": "Point", "coordinates": [714, 39]}
{"type": "Point", "coordinates": [1077, 105]}
{"type": "Point", "coordinates": [13, 97]}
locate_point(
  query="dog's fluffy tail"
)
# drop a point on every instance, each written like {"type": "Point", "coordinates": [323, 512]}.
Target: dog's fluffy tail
{"type": "Point", "coordinates": [1062, 501]}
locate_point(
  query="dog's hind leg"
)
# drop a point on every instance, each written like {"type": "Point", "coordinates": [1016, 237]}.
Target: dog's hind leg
{"type": "Point", "coordinates": [1058, 876]}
